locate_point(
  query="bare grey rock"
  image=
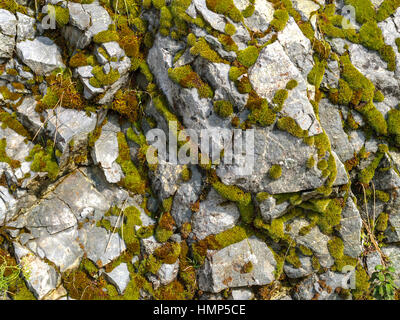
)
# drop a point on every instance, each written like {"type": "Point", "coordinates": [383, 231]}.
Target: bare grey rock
{"type": "Point", "coordinates": [350, 230]}
{"type": "Point", "coordinates": [223, 268]}
{"type": "Point", "coordinates": [119, 277]}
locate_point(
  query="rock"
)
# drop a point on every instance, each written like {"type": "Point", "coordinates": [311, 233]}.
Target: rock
{"type": "Point", "coordinates": [242, 294]}
{"type": "Point", "coordinates": [78, 17]}
{"type": "Point", "coordinates": [42, 55]}
{"type": "Point", "coordinates": [165, 179]}
{"type": "Point", "coordinates": [106, 152]}
{"type": "Point", "coordinates": [305, 269]}
{"type": "Point", "coordinates": [119, 277]}
{"type": "Point", "coordinates": [278, 147]}
{"type": "Point", "coordinates": [270, 210]}
{"type": "Point", "coordinates": [43, 278]}
{"type": "Point", "coordinates": [261, 17]}
{"type": "Point", "coordinates": [6, 46]}
{"type": "Point", "coordinates": [100, 246]}
{"type": "Point", "coordinates": [168, 272]}
{"type": "Point", "coordinates": [373, 259]}
{"type": "Point", "coordinates": [149, 245]}
{"type": "Point", "coordinates": [331, 121]}
{"type": "Point", "coordinates": [271, 72]}
{"type": "Point", "coordinates": [25, 27]}
{"type": "Point", "coordinates": [8, 23]}
{"type": "Point", "coordinates": [217, 21]}
{"type": "Point", "coordinates": [223, 268]}
{"type": "Point", "coordinates": [350, 229]}
{"type": "Point", "coordinates": [314, 240]}
{"type": "Point", "coordinates": [214, 216]}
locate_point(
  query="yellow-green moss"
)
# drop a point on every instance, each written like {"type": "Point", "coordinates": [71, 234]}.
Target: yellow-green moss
{"type": "Point", "coordinates": [336, 247]}
{"type": "Point", "coordinates": [187, 78]}
{"type": "Point", "coordinates": [235, 73]}
{"type": "Point", "coordinates": [393, 123]}
{"type": "Point", "coordinates": [10, 121]}
{"type": "Point", "coordinates": [223, 108]}
{"type": "Point", "coordinates": [44, 160]}
{"type": "Point", "coordinates": [279, 99]}
{"type": "Point", "coordinates": [165, 227]}
{"type": "Point", "coordinates": [101, 79]}
{"type": "Point", "coordinates": [316, 74]}
{"type": "Point", "coordinates": [106, 36]}
{"type": "Point", "coordinates": [230, 29]}
{"type": "Point", "coordinates": [366, 175]}
{"type": "Point", "coordinates": [290, 125]}
{"type": "Point", "coordinates": [275, 172]}
{"type": "Point", "coordinates": [382, 222]}
{"type": "Point", "coordinates": [280, 19]}
{"type": "Point", "coordinates": [5, 158]}
{"type": "Point", "coordinates": [202, 48]}
{"type": "Point", "coordinates": [382, 196]}
{"type": "Point", "coordinates": [293, 259]}
{"type": "Point", "coordinates": [386, 9]}
{"type": "Point", "coordinates": [225, 7]}
{"type": "Point", "coordinates": [248, 11]}
{"type": "Point", "coordinates": [248, 56]}
{"type": "Point", "coordinates": [310, 162]}
{"type": "Point", "coordinates": [291, 84]}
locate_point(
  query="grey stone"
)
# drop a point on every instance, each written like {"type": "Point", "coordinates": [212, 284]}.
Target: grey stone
{"type": "Point", "coordinates": [7, 45]}
{"type": "Point", "coordinates": [217, 21]}
{"type": "Point", "coordinates": [42, 55]}
{"type": "Point", "coordinates": [270, 210]}
{"type": "Point", "coordinates": [350, 230]}
{"type": "Point", "coordinates": [271, 72]}
{"type": "Point", "coordinates": [8, 23]}
{"type": "Point", "coordinates": [168, 272]}
{"type": "Point", "coordinates": [119, 277]}
{"type": "Point", "coordinates": [242, 294]}
{"type": "Point", "coordinates": [214, 216]}
{"type": "Point", "coordinates": [305, 269]}
{"type": "Point", "coordinates": [148, 245]}
{"type": "Point", "coordinates": [43, 279]}
{"type": "Point", "coordinates": [314, 240]}
{"type": "Point", "coordinates": [78, 17]}
{"type": "Point", "coordinates": [25, 27]}
{"type": "Point", "coordinates": [262, 16]}
{"type": "Point", "coordinates": [222, 269]}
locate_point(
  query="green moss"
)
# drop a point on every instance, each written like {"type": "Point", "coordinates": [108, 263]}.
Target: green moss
{"type": "Point", "coordinates": [382, 222]}
{"type": "Point", "coordinates": [262, 114]}
{"type": "Point", "coordinates": [168, 253]}
{"type": "Point", "coordinates": [106, 36]}
{"type": "Point", "coordinates": [44, 160]}
{"type": "Point", "coordinates": [244, 85]}
{"type": "Point", "coordinates": [275, 172]}
{"type": "Point", "coordinates": [378, 96]}
{"type": "Point", "coordinates": [187, 78]}
{"type": "Point", "coordinates": [235, 73]}
{"type": "Point", "coordinates": [336, 247]}
{"type": "Point", "coordinates": [362, 284]}
{"type": "Point", "coordinates": [279, 99]}
{"type": "Point", "coordinates": [305, 251]}
{"type": "Point", "coordinates": [165, 21]}
{"type": "Point", "coordinates": [248, 11]}
{"type": "Point", "coordinates": [291, 84]}
{"type": "Point", "coordinates": [223, 108]}
{"type": "Point", "coordinates": [248, 56]}
{"type": "Point", "coordinates": [386, 9]}
{"type": "Point", "coordinates": [310, 162]}
{"type": "Point", "coordinates": [158, 4]}
{"type": "Point", "coordinates": [387, 54]}
{"type": "Point", "coordinates": [10, 121]}
{"type": "Point", "coordinates": [316, 74]}
{"type": "Point", "coordinates": [191, 40]}
{"type": "Point", "coordinates": [366, 175]}
{"type": "Point", "coordinates": [280, 19]}
{"type": "Point", "coordinates": [397, 41]}
{"type": "Point", "coordinates": [315, 263]}
{"type": "Point", "coordinates": [262, 196]}
{"type": "Point", "coordinates": [393, 123]}
{"type": "Point", "coordinates": [186, 174]}
{"type": "Point", "coordinates": [289, 124]}
{"type": "Point", "coordinates": [227, 42]}
{"type": "Point", "coordinates": [382, 196]}
{"type": "Point", "coordinates": [8, 95]}
{"type": "Point", "coordinates": [293, 258]}
{"type": "Point", "coordinates": [230, 29]}
{"type": "Point", "coordinates": [132, 180]}
{"type": "Point", "coordinates": [328, 218]}
{"type": "Point", "coordinates": [5, 158]}
{"type": "Point", "coordinates": [365, 10]}
{"type": "Point", "coordinates": [101, 79]}
{"type": "Point", "coordinates": [165, 227]}
{"type": "Point", "coordinates": [322, 164]}
{"type": "Point", "coordinates": [203, 49]}
{"type": "Point", "coordinates": [225, 7]}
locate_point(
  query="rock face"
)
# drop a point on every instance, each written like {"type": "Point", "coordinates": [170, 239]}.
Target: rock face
{"type": "Point", "coordinates": [42, 55]}
{"type": "Point", "coordinates": [226, 268]}
{"type": "Point", "coordinates": [308, 107]}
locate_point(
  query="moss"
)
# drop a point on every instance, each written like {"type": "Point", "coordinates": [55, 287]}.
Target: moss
{"type": "Point", "coordinates": [310, 162]}
{"type": "Point", "coordinates": [382, 196]}
{"type": "Point", "coordinates": [386, 9]}
{"type": "Point", "coordinates": [5, 158]}
{"type": "Point", "coordinates": [44, 160]}
{"type": "Point", "coordinates": [8, 95]}
{"type": "Point", "coordinates": [168, 253]}
{"type": "Point", "coordinates": [10, 121]}
{"type": "Point", "coordinates": [366, 175]}
{"type": "Point", "coordinates": [280, 19]}
{"type": "Point", "coordinates": [244, 85]}
{"type": "Point", "coordinates": [165, 21]}
{"type": "Point", "coordinates": [247, 267]}
{"type": "Point", "coordinates": [305, 251]}
{"type": "Point", "coordinates": [275, 172]}
{"type": "Point", "coordinates": [230, 29]}
{"type": "Point", "coordinates": [293, 258]}
{"type": "Point", "coordinates": [13, 6]}
{"type": "Point", "coordinates": [397, 41]}
{"type": "Point", "coordinates": [132, 180]}
{"type": "Point", "coordinates": [328, 218]}
{"type": "Point", "coordinates": [393, 123]}
{"type": "Point", "coordinates": [248, 11]}
{"type": "Point", "coordinates": [336, 247]}
{"type": "Point", "coordinates": [225, 7]}
{"type": "Point", "coordinates": [101, 79]}
{"type": "Point", "coordinates": [378, 96]}
{"type": "Point", "coordinates": [248, 56]}
{"type": "Point", "coordinates": [235, 73]}
{"type": "Point", "coordinates": [227, 42]}
{"type": "Point", "coordinates": [289, 124]}
{"type": "Point", "coordinates": [187, 78]}
{"type": "Point", "coordinates": [165, 227]}
{"type": "Point", "coordinates": [387, 54]}
{"type": "Point", "coordinates": [186, 174]}
{"type": "Point", "coordinates": [279, 99]}
{"type": "Point", "coordinates": [382, 222]}
{"type": "Point", "coordinates": [262, 196]}
{"type": "Point", "coordinates": [106, 36]}
{"type": "Point", "coordinates": [315, 263]}
{"type": "Point", "coordinates": [191, 40]}
{"type": "Point", "coordinates": [203, 49]}
{"type": "Point", "coordinates": [322, 164]}
{"type": "Point", "coordinates": [362, 284]}
{"type": "Point", "coordinates": [316, 74]}
{"type": "Point", "coordinates": [291, 84]}
{"type": "Point", "coordinates": [158, 4]}
{"type": "Point", "coordinates": [365, 10]}
{"type": "Point", "coordinates": [81, 287]}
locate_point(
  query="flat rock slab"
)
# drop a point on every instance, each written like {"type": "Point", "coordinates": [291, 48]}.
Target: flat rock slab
{"type": "Point", "coordinates": [225, 268]}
